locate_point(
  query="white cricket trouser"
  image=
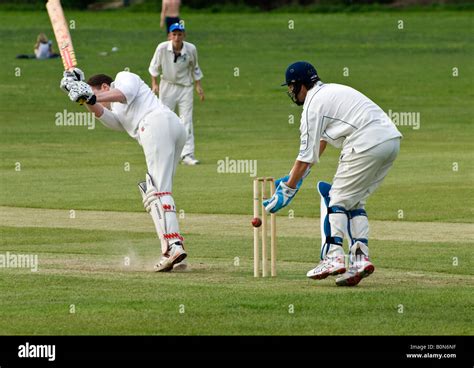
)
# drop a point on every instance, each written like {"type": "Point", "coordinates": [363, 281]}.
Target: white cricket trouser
{"type": "Point", "coordinates": [359, 175]}
{"type": "Point", "coordinates": [162, 137]}
{"type": "Point", "coordinates": [174, 95]}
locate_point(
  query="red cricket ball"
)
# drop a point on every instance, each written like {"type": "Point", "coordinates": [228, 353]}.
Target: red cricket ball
{"type": "Point", "coordinates": [256, 222]}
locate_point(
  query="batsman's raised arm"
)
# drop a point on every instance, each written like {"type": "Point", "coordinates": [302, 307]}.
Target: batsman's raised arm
{"type": "Point", "coordinates": [104, 114]}
{"type": "Point", "coordinates": [98, 98]}
{"type": "Point", "coordinates": [112, 95]}
{"type": "Point", "coordinates": [105, 97]}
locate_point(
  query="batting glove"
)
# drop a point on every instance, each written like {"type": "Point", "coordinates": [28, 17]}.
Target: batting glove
{"type": "Point", "coordinates": [282, 197]}
{"type": "Point", "coordinates": [81, 92]}
{"type": "Point", "coordinates": [69, 77]}
{"type": "Point", "coordinates": [75, 74]}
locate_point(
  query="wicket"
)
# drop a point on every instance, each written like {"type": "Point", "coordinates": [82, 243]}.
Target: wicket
{"type": "Point", "coordinates": [258, 197]}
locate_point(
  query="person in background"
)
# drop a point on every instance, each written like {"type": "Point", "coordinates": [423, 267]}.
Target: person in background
{"type": "Point", "coordinates": [175, 62]}
{"type": "Point", "coordinates": [169, 14]}
{"type": "Point", "coordinates": [44, 48]}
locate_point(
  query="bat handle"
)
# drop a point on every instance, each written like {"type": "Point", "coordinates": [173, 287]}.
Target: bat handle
{"type": "Point", "coordinates": [82, 101]}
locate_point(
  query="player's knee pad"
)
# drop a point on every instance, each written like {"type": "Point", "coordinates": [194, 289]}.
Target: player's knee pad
{"type": "Point", "coordinates": [333, 220]}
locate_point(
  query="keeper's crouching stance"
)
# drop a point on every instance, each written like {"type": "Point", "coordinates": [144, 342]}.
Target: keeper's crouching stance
{"type": "Point", "coordinates": [128, 104]}
{"type": "Point", "coordinates": [370, 142]}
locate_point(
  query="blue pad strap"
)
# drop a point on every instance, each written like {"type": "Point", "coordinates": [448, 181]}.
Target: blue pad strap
{"type": "Point", "coordinates": [357, 212]}
{"type": "Point", "coordinates": [337, 209]}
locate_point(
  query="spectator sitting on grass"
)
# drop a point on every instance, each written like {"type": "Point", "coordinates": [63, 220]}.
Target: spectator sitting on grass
{"type": "Point", "coordinates": [43, 49]}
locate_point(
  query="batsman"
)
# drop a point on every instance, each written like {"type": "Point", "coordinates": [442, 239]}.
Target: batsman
{"type": "Point", "coordinates": [126, 103]}
{"type": "Point", "coordinates": [369, 143]}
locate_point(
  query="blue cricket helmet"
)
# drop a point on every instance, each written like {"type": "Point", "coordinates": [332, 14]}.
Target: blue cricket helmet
{"type": "Point", "coordinates": [297, 75]}
{"type": "Point", "coordinates": [301, 72]}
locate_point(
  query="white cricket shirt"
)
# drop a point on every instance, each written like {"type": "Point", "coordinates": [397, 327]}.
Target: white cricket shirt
{"type": "Point", "coordinates": [344, 118]}
{"type": "Point", "coordinates": [182, 70]}
{"type": "Point", "coordinates": [140, 101]}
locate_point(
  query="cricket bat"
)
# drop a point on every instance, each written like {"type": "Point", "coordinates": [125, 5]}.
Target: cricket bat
{"type": "Point", "coordinates": [62, 35]}
{"type": "Point", "coordinates": [61, 32]}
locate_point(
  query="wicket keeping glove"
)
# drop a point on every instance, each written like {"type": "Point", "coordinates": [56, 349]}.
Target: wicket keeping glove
{"type": "Point", "coordinates": [282, 197]}
{"type": "Point", "coordinates": [81, 92]}
{"type": "Point", "coordinates": [70, 76]}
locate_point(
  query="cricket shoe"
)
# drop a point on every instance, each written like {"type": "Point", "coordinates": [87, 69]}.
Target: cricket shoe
{"type": "Point", "coordinates": [361, 267]}
{"type": "Point", "coordinates": [333, 264]}
{"type": "Point", "coordinates": [189, 160]}
{"type": "Point", "coordinates": [175, 254]}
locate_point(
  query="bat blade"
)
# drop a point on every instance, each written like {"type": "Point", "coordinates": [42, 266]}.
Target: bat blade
{"type": "Point", "coordinates": [61, 33]}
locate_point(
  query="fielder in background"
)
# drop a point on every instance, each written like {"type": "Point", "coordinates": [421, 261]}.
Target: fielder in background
{"type": "Point", "coordinates": [370, 142]}
{"type": "Point", "coordinates": [176, 61]}
{"type": "Point", "coordinates": [128, 104]}
{"type": "Point", "coordinates": [169, 13]}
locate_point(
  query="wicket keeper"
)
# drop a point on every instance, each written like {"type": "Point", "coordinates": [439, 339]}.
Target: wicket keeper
{"type": "Point", "coordinates": [370, 142]}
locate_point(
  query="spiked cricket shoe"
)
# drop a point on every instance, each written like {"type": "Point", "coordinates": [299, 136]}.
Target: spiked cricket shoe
{"type": "Point", "coordinates": [332, 264]}
{"type": "Point", "coordinates": [329, 266]}
{"type": "Point", "coordinates": [359, 269]}
{"type": "Point", "coordinates": [176, 254]}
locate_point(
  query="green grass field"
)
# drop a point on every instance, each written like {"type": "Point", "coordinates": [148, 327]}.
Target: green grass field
{"type": "Point", "coordinates": [94, 273]}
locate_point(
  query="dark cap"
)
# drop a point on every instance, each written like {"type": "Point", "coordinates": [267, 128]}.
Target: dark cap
{"type": "Point", "coordinates": [301, 72]}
